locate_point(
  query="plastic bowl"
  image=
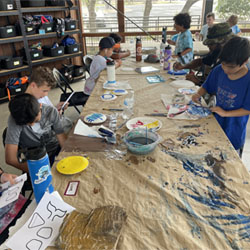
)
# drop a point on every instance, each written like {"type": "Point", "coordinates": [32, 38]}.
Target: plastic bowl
{"type": "Point", "coordinates": [141, 141]}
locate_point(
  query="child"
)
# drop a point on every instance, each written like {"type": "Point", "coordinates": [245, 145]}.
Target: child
{"type": "Point", "coordinates": [232, 21]}
{"type": "Point", "coordinates": [30, 125]}
{"type": "Point", "coordinates": [210, 17]}
{"type": "Point", "coordinates": [230, 82]}
{"type": "Point", "coordinates": [41, 82]}
{"type": "Point", "coordinates": [184, 43]}
{"type": "Point", "coordinates": [99, 63]}
{"type": "Point", "coordinates": [118, 53]}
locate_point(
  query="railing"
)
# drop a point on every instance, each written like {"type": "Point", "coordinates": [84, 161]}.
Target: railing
{"type": "Point", "coordinates": [110, 24]}
{"type": "Point", "coordinates": [104, 27]}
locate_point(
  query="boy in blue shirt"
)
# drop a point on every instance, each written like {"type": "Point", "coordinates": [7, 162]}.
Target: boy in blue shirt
{"type": "Point", "coordinates": [230, 82]}
{"type": "Point", "coordinates": [184, 42]}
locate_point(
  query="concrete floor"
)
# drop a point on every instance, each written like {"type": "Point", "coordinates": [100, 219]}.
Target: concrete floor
{"type": "Point", "coordinates": [54, 96]}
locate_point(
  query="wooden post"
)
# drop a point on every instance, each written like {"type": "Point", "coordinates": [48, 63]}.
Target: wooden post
{"type": "Point", "coordinates": [207, 7]}
{"type": "Point", "coordinates": [120, 17]}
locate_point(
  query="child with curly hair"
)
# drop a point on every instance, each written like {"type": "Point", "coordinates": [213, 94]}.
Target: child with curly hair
{"type": "Point", "coordinates": [184, 42]}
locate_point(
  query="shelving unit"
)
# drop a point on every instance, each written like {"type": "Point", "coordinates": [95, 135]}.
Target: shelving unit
{"type": "Point", "coordinates": [25, 39]}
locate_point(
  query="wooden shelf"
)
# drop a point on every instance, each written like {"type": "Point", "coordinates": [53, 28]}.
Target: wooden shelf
{"type": "Point", "coordinates": [51, 34]}
{"type": "Point", "coordinates": [5, 72]}
{"type": "Point", "coordinates": [9, 13]}
{"type": "Point", "coordinates": [11, 39]}
{"type": "Point", "coordinates": [46, 9]}
{"type": "Point", "coordinates": [57, 58]}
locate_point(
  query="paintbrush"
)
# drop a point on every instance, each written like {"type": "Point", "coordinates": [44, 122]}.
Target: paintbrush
{"type": "Point", "coordinates": [157, 114]}
{"type": "Point", "coordinates": [113, 109]}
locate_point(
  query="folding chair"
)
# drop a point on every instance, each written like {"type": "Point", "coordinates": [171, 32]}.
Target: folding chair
{"type": "Point", "coordinates": [87, 60]}
{"type": "Point", "coordinates": [78, 98]}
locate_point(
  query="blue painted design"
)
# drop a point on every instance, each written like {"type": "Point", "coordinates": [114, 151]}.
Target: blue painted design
{"type": "Point", "coordinates": [196, 110]}
{"type": "Point", "coordinates": [95, 116]}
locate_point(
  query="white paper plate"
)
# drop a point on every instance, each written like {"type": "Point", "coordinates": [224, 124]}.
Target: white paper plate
{"type": "Point", "coordinates": [182, 84]}
{"type": "Point", "coordinates": [108, 97]}
{"type": "Point", "coordinates": [95, 118]}
{"type": "Point", "coordinates": [119, 92]}
{"type": "Point", "coordinates": [140, 122]}
{"type": "Point", "coordinates": [187, 91]}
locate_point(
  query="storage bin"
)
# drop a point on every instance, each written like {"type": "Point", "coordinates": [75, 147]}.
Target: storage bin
{"type": "Point", "coordinates": [3, 91]}
{"type": "Point", "coordinates": [30, 29]}
{"type": "Point", "coordinates": [6, 5]}
{"type": "Point", "coordinates": [70, 24]}
{"type": "Point", "coordinates": [52, 52]}
{"type": "Point", "coordinates": [55, 2]}
{"type": "Point", "coordinates": [32, 3]}
{"type": "Point", "coordinates": [48, 27]}
{"type": "Point", "coordinates": [78, 70]}
{"type": "Point", "coordinates": [7, 31]}
{"type": "Point", "coordinates": [19, 90]}
{"type": "Point", "coordinates": [70, 49]}
{"type": "Point", "coordinates": [12, 62]}
{"type": "Point", "coordinates": [35, 54]}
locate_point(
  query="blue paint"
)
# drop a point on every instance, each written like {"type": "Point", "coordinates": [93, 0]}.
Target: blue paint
{"type": "Point", "coordinates": [196, 110]}
{"type": "Point", "coordinates": [150, 177]}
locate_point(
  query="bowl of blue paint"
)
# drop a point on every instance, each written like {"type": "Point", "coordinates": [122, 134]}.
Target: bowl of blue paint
{"type": "Point", "coordinates": [141, 141]}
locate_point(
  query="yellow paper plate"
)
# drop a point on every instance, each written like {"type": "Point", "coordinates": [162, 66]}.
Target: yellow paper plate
{"type": "Point", "coordinates": [72, 165]}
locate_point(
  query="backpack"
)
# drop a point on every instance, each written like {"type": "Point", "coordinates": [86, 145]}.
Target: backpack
{"type": "Point", "coordinates": [68, 40]}
{"type": "Point", "coordinates": [59, 26]}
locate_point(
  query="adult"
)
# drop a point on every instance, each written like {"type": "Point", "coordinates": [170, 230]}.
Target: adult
{"type": "Point", "coordinates": [210, 18]}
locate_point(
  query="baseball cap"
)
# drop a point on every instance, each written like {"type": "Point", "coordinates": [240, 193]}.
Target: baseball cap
{"type": "Point", "coordinates": [152, 58]}
{"type": "Point", "coordinates": [218, 33]}
{"type": "Point", "coordinates": [106, 43]}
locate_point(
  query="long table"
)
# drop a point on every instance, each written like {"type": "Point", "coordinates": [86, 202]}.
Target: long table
{"type": "Point", "coordinates": [177, 197]}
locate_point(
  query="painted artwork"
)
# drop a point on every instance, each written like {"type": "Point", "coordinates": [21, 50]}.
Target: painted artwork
{"type": "Point", "coordinates": [43, 226]}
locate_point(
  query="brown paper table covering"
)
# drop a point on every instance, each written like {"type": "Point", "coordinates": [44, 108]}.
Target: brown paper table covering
{"type": "Point", "coordinates": [190, 197]}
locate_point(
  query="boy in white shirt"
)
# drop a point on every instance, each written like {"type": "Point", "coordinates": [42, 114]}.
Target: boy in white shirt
{"type": "Point", "coordinates": [99, 63]}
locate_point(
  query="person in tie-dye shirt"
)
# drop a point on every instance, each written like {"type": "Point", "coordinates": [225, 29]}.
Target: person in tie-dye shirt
{"type": "Point", "coordinates": [184, 43]}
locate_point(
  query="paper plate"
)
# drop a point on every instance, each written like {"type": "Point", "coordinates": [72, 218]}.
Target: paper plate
{"type": "Point", "coordinates": [95, 118]}
{"type": "Point", "coordinates": [187, 91]}
{"type": "Point", "coordinates": [182, 84]}
{"type": "Point", "coordinates": [144, 121]}
{"type": "Point", "coordinates": [72, 165]}
{"type": "Point", "coordinates": [119, 92]}
{"type": "Point", "coordinates": [108, 97]}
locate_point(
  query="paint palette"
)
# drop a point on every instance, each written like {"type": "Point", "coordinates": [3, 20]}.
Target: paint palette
{"type": "Point", "coordinates": [72, 165]}
{"type": "Point", "coordinates": [108, 97]}
{"type": "Point", "coordinates": [187, 91]}
{"type": "Point", "coordinates": [182, 84]}
{"type": "Point", "coordinates": [119, 92]}
{"type": "Point", "coordinates": [142, 122]}
{"type": "Point", "coordinates": [95, 118]}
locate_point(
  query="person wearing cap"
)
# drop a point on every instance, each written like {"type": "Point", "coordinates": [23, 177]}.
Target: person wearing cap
{"type": "Point", "coordinates": [217, 36]}
{"type": "Point", "coordinates": [99, 63]}
{"type": "Point", "coordinates": [118, 53]}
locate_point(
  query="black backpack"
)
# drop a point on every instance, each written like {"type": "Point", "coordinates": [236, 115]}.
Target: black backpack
{"type": "Point", "coordinates": [59, 26]}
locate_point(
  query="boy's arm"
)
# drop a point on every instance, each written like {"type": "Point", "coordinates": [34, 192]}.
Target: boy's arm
{"type": "Point", "coordinates": [184, 52]}
{"type": "Point", "coordinates": [118, 63]}
{"type": "Point", "coordinates": [196, 97]}
{"type": "Point", "coordinates": [61, 139]}
{"type": "Point", "coordinates": [169, 41]}
{"type": "Point", "coordinates": [230, 113]}
{"type": "Point", "coordinates": [11, 157]}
